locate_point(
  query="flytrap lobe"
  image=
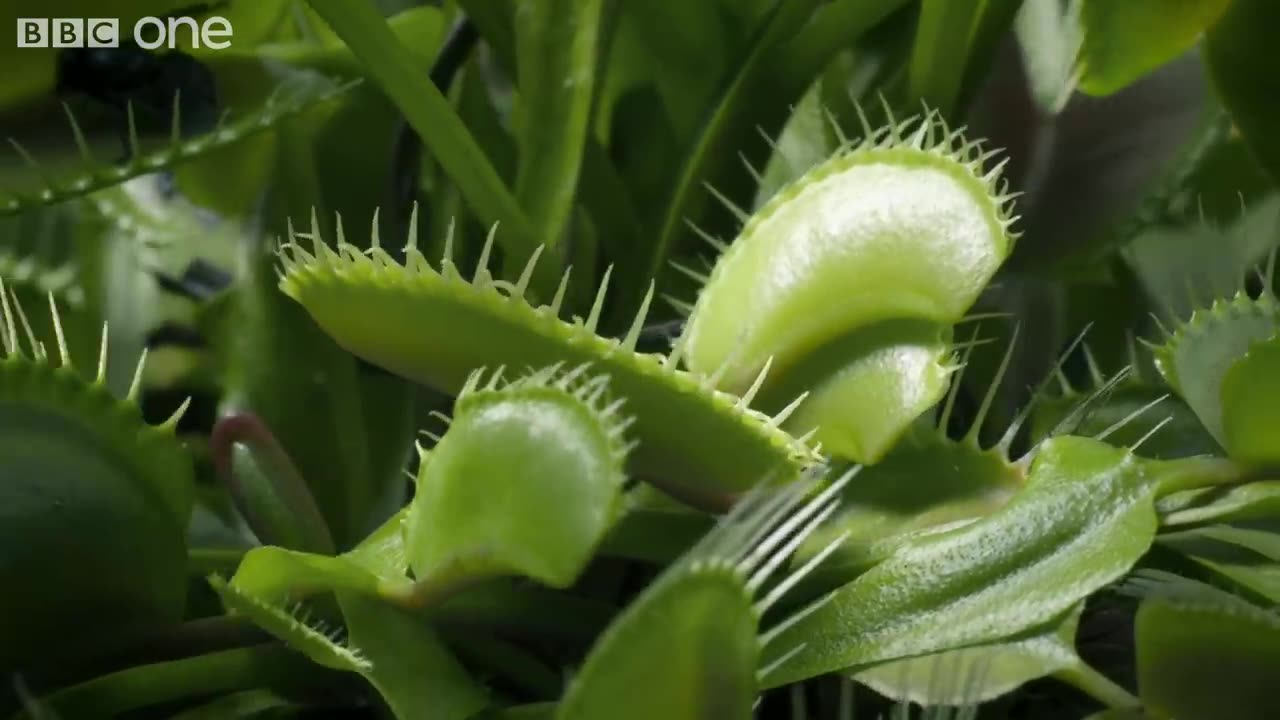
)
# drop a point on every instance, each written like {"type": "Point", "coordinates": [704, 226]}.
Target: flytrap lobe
{"type": "Point", "coordinates": [103, 494]}
{"type": "Point", "coordinates": [548, 444]}
{"type": "Point", "coordinates": [847, 282]}
{"type": "Point", "coordinates": [434, 325]}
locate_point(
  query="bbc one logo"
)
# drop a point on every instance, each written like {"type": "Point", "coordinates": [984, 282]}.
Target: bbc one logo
{"type": "Point", "coordinates": [149, 33]}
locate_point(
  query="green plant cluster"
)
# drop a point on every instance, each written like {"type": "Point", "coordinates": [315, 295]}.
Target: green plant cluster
{"type": "Point", "coordinates": [694, 360]}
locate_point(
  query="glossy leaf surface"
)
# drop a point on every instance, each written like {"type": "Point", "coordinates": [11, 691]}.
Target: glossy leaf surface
{"type": "Point", "coordinates": [1085, 516]}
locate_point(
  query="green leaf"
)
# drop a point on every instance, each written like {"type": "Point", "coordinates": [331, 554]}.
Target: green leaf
{"type": "Point", "coordinates": [545, 446]}
{"type": "Point", "coordinates": [776, 296]}
{"type": "Point", "coordinates": [1249, 559]}
{"type": "Point", "coordinates": [156, 684]}
{"type": "Point", "coordinates": [243, 705]}
{"type": "Point", "coordinates": [928, 483]}
{"type": "Point", "coordinates": [944, 37]}
{"type": "Point", "coordinates": [1083, 520]}
{"type": "Point", "coordinates": [1205, 651]}
{"type": "Point", "coordinates": [314, 637]}
{"type": "Point", "coordinates": [1172, 263]}
{"type": "Point", "coordinates": [806, 140]}
{"type": "Point", "coordinates": [364, 302]}
{"type": "Point", "coordinates": [1251, 405]}
{"type": "Point", "coordinates": [412, 670]}
{"type": "Point", "coordinates": [696, 44]}
{"type": "Point", "coordinates": [266, 485]}
{"type": "Point", "coordinates": [1124, 41]}
{"type": "Point", "coordinates": [1252, 501]}
{"type": "Point", "coordinates": [1049, 36]}
{"type": "Point", "coordinates": [348, 429]}
{"type": "Point", "coordinates": [429, 113]}
{"type": "Point", "coordinates": [981, 673]}
{"type": "Point", "coordinates": [775, 72]}
{"type": "Point", "coordinates": [556, 48]}
{"type": "Point", "coordinates": [1240, 53]}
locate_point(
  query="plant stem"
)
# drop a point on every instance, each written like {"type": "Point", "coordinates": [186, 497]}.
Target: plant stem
{"type": "Point", "coordinates": [1197, 473]}
{"type": "Point", "coordinates": [1098, 686]}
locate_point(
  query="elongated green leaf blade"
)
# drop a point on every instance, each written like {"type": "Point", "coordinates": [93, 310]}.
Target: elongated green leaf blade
{"type": "Point", "coordinates": [1084, 519]}
{"type": "Point", "coordinates": [1125, 40]}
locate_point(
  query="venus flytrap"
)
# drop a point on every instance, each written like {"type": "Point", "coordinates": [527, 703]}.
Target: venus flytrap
{"type": "Point", "coordinates": [953, 563]}
{"type": "Point", "coordinates": [932, 482]}
{"type": "Point", "coordinates": [98, 500]}
{"type": "Point", "coordinates": [323, 643]}
{"type": "Point", "coordinates": [371, 587]}
{"type": "Point", "coordinates": [1086, 515]}
{"type": "Point", "coordinates": [907, 224]}
{"type": "Point", "coordinates": [547, 445]}
{"type": "Point", "coordinates": [1195, 356]}
{"type": "Point", "coordinates": [366, 300]}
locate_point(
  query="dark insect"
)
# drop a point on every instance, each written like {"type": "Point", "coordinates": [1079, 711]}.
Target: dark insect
{"type": "Point", "coordinates": [659, 337]}
{"type": "Point", "coordinates": [129, 76]}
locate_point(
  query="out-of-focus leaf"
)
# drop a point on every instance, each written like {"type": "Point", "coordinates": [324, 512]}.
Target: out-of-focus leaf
{"type": "Point", "coordinates": [1240, 51]}
{"type": "Point", "coordinates": [1201, 650]}
{"type": "Point", "coordinates": [1252, 501]}
{"type": "Point", "coordinates": [950, 35]}
{"type": "Point", "coordinates": [242, 705]}
{"type": "Point", "coordinates": [1125, 40]}
{"type": "Point", "coordinates": [143, 686]}
{"type": "Point", "coordinates": [1180, 433]}
{"type": "Point", "coordinates": [1249, 559]}
{"type": "Point", "coordinates": [766, 80]}
{"type": "Point", "coordinates": [1049, 35]}
{"type": "Point", "coordinates": [1089, 170]}
{"type": "Point", "coordinates": [1183, 268]}
{"type": "Point", "coordinates": [392, 66]}
{"type": "Point", "coordinates": [806, 140]}
{"type": "Point", "coordinates": [348, 429]}
{"type": "Point", "coordinates": [1196, 357]}
{"type": "Point", "coordinates": [556, 49]}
